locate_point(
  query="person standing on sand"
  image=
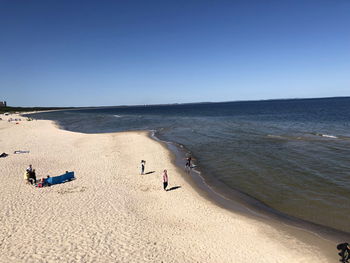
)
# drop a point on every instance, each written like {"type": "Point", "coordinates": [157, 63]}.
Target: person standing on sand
{"type": "Point", "coordinates": [143, 163]}
{"type": "Point", "coordinates": [165, 180]}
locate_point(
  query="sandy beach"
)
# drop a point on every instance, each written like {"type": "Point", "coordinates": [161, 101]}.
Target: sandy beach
{"type": "Point", "coordinates": [111, 213]}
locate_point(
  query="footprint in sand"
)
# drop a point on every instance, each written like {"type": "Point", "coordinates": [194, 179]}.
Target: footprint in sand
{"type": "Point", "coordinates": [72, 190]}
{"type": "Point", "coordinates": [145, 189]}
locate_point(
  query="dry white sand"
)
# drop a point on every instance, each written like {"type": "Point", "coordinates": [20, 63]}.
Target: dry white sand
{"type": "Point", "coordinates": [111, 213]}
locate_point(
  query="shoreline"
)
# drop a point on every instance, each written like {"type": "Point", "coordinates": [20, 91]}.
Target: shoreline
{"type": "Point", "coordinates": [235, 201]}
{"type": "Point", "coordinates": [182, 214]}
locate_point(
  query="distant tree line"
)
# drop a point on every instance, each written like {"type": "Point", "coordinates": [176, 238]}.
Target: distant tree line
{"type": "Point", "coordinates": [24, 109]}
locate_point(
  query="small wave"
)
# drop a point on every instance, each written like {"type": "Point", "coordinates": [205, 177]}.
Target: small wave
{"type": "Point", "coordinates": [326, 135]}
{"type": "Point", "coordinates": [117, 116]}
{"type": "Point", "coordinates": [280, 137]}
{"type": "Point", "coordinates": [301, 138]}
{"type": "Point", "coordinates": [274, 136]}
{"type": "Point", "coordinates": [153, 133]}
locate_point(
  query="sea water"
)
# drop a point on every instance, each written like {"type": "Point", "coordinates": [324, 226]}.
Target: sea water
{"type": "Point", "coordinates": [292, 155]}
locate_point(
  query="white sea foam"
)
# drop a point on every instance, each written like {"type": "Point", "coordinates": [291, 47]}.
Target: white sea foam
{"type": "Point", "coordinates": [117, 116]}
{"type": "Point", "coordinates": [329, 136]}
{"type": "Point", "coordinates": [326, 135]}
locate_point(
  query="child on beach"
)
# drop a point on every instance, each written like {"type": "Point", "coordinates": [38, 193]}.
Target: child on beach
{"type": "Point", "coordinates": [165, 179]}
{"type": "Point", "coordinates": [143, 163]}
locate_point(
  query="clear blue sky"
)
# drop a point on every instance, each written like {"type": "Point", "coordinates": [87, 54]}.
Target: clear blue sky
{"type": "Point", "coordinates": [90, 53]}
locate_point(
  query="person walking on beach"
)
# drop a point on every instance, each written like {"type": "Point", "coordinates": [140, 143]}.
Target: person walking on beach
{"type": "Point", "coordinates": [165, 179]}
{"type": "Point", "coordinates": [143, 163]}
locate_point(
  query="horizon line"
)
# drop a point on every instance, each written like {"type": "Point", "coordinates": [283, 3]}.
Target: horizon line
{"type": "Point", "coordinates": [179, 103]}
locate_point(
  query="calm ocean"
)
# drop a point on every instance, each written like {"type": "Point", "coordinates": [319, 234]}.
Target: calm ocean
{"type": "Point", "coordinates": [292, 155]}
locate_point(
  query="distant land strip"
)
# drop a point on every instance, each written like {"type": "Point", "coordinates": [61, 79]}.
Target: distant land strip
{"type": "Point", "coordinates": [25, 109]}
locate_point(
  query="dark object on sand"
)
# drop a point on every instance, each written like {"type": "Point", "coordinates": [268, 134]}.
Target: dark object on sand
{"type": "Point", "coordinates": [19, 151]}
{"type": "Point", "coordinates": [3, 155]}
{"type": "Point", "coordinates": [344, 252]}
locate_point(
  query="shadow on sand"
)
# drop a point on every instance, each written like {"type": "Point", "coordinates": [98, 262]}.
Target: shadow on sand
{"type": "Point", "coordinates": [173, 188]}
{"type": "Point", "coordinates": [150, 172]}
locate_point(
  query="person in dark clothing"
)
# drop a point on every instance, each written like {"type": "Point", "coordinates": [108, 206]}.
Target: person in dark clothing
{"type": "Point", "coordinates": [143, 163]}
{"type": "Point", "coordinates": [344, 252]}
{"type": "Point", "coordinates": [188, 162]}
{"type": "Point", "coordinates": [32, 176]}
